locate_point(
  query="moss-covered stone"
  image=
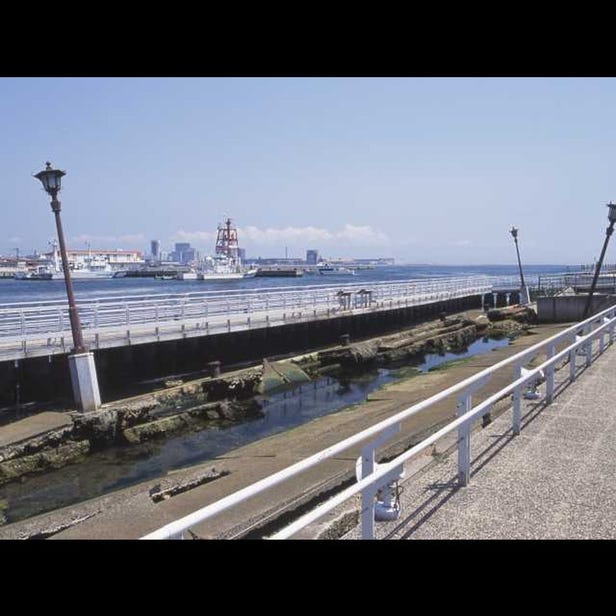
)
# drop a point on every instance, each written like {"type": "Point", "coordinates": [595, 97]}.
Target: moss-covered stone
{"type": "Point", "coordinates": [53, 438]}
{"type": "Point", "coordinates": [239, 387]}
{"type": "Point", "coordinates": [43, 460]}
{"type": "Point", "coordinates": [156, 429]}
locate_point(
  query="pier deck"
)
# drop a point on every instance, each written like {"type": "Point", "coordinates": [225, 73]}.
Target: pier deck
{"type": "Point", "coordinates": [43, 328]}
{"type": "Point", "coordinates": [553, 481]}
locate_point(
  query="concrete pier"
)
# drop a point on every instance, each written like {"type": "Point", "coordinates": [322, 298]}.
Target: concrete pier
{"type": "Point", "coordinates": [84, 381]}
{"type": "Point", "coordinates": [119, 367]}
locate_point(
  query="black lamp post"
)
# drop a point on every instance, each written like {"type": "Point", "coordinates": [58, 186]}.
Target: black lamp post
{"type": "Point", "coordinates": [51, 180]}
{"type": "Point", "coordinates": [611, 216]}
{"type": "Point", "coordinates": [523, 291]}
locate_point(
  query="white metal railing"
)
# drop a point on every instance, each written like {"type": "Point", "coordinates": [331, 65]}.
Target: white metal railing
{"type": "Point", "coordinates": [47, 323]}
{"type": "Point", "coordinates": [575, 338]}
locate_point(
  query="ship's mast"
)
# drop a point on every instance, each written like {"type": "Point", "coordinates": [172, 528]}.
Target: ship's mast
{"type": "Point", "coordinates": [226, 240]}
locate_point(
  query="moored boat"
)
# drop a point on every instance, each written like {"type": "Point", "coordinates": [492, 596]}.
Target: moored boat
{"type": "Point", "coordinates": [226, 263]}
{"type": "Point", "coordinates": [329, 270]}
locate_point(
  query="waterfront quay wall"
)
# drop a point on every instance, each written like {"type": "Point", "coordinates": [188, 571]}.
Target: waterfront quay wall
{"type": "Point", "coordinates": [129, 370]}
{"type": "Point", "coordinates": [570, 308]}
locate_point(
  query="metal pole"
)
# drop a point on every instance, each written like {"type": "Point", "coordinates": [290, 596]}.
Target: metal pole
{"type": "Point", "coordinates": [72, 308]}
{"type": "Point", "coordinates": [517, 250]}
{"type": "Point", "coordinates": [524, 295]}
{"type": "Point", "coordinates": [608, 233]}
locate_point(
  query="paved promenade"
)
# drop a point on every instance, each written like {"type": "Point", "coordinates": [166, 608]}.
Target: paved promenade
{"type": "Point", "coordinates": [557, 480]}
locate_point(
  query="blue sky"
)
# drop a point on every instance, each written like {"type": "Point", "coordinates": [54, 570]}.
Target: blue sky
{"type": "Point", "coordinates": [426, 170]}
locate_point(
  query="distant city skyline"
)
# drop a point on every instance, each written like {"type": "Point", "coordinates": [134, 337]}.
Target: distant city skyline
{"type": "Point", "coordinates": [424, 170]}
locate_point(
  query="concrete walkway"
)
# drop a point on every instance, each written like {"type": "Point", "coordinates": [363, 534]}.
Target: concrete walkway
{"type": "Point", "coordinates": [556, 480]}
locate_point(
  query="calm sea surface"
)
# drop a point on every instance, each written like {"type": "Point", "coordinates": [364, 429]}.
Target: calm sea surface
{"type": "Point", "coordinates": [33, 290]}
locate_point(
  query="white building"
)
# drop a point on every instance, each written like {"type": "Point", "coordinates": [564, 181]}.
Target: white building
{"type": "Point", "coordinates": [117, 259]}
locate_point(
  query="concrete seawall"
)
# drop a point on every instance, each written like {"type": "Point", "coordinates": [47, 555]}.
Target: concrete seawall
{"type": "Point", "coordinates": [570, 308]}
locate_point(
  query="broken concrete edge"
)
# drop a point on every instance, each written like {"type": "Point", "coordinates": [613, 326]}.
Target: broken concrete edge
{"type": "Point", "coordinates": [413, 343]}
{"type": "Point", "coordinates": [46, 525]}
{"type": "Point", "coordinates": [169, 487]}
{"type": "Point", "coordinates": [99, 429]}
{"type": "Point", "coordinates": [56, 457]}
{"type": "Point", "coordinates": [34, 444]}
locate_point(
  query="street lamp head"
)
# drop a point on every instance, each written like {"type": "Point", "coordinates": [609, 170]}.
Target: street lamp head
{"type": "Point", "coordinates": [611, 215]}
{"type": "Point", "coordinates": [51, 179]}
{"type": "Point", "coordinates": [514, 232]}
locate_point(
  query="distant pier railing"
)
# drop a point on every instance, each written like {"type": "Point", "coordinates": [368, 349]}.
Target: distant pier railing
{"type": "Point", "coordinates": [28, 328]}
{"type": "Point", "coordinates": [580, 282]}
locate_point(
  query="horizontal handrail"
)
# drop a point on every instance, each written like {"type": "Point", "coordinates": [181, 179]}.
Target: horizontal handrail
{"type": "Point", "coordinates": [475, 413]}
{"type": "Point", "coordinates": [176, 528]}
{"type": "Point", "coordinates": [34, 321]}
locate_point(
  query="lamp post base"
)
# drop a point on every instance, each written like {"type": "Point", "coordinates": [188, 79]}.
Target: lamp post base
{"type": "Point", "coordinates": [84, 381]}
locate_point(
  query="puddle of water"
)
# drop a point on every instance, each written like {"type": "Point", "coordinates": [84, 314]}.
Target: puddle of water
{"type": "Point", "coordinates": [120, 467]}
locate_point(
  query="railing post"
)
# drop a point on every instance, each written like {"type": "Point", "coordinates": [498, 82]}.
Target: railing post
{"type": "Point", "coordinates": [517, 402]}
{"type": "Point", "coordinates": [366, 466]}
{"type": "Point", "coordinates": [549, 376]}
{"type": "Point", "coordinates": [367, 496]}
{"type": "Point", "coordinates": [602, 338]}
{"type": "Point", "coordinates": [588, 345]}
{"type": "Point", "coordinates": [464, 441]}
{"type": "Point", "coordinates": [573, 359]}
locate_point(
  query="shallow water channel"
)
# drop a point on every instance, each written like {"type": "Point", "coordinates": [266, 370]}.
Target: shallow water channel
{"type": "Point", "coordinates": [119, 467]}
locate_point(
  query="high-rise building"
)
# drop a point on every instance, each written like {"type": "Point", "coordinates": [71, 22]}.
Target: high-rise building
{"type": "Point", "coordinates": [241, 254]}
{"type": "Point", "coordinates": [155, 249]}
{"type": "Point", "coordinates": [312, 257]}
{"type": "Point", "coordinates": [184, 254]}
{"type": "Point", "coordinates": [182, 246]}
